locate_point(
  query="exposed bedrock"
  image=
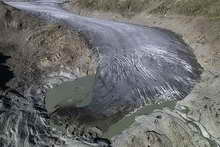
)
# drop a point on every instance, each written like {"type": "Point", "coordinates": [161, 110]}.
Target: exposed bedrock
{"type": "Point", "coordinates": [24, 122]}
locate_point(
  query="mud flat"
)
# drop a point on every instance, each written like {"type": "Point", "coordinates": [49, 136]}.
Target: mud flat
{"type": "Point", "coordinates": [128, 120]}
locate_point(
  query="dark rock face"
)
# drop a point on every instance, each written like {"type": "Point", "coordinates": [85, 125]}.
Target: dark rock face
{"type": "Point", "coordinates": [6, 74]}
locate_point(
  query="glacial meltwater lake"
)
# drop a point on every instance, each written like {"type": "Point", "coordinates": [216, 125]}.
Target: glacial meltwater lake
{"type": "Point", "coordinates": [79, 93]}
{"type": "Point", "coordinates": [75, 93]}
